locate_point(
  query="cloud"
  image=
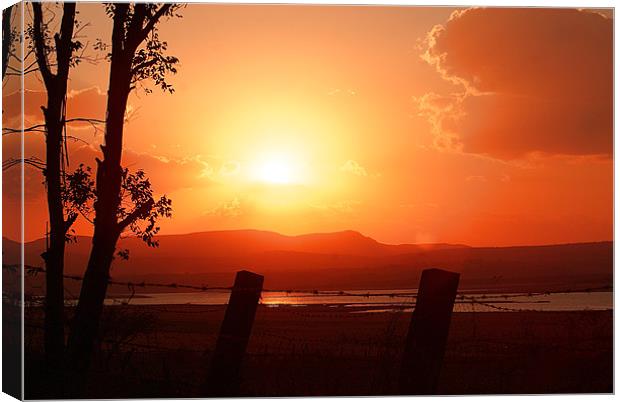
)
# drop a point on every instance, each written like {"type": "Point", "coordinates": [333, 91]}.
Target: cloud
{"type": "Point", "coordinates": [231, 208]}
{"type": "Point", "coordinates": [85, 103]}
{"type": "Point", "coordinates": [354, 168]}
{"type": "Point", "coordinates": [33, 178]}
{"type": "Point", "coordinates": [444, 114]}
{"type": "Point", "coordinates": [338, 91]}
{"type": "Point", "coordinates": [530, 80]}
{"type": "Point", "coordinates": [166, 174]}
{"type": "Point", "coordinates": [230, 168]}
{"type": "Point", "coordinates": [89, 102]}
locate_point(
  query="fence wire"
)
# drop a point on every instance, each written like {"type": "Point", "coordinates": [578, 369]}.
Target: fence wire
{"type": "Point", "coordinates": [463, 297]}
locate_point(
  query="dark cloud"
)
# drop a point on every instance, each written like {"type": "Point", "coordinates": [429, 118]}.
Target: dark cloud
{"type": "Point", "coordinates": [533, 81]}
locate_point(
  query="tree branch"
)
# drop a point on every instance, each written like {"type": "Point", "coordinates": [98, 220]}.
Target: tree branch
{"type": "Point", "coordinates": [32, 161]}
{"type": "Point", "coordinates": [136, 214]}
{"type": "Point", "coordinates": [136, 23]}
{"type": "Point", "coordinates": [70, 220]}
{"type": "Point", "coordinates": [86, 217]}
{"type": "Point", "coordinates": [39, 43]}
{"type": "Point", "coordinates": [41, 127]}
{"type": "Point", "coordinates": [140, 66]}
{"type": "Point", "coordinates": [152, 22]}
{"type": "Point", "coordinates": [85, 120]}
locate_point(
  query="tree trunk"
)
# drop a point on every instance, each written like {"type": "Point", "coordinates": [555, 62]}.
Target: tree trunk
{"type": "Point", "coordinates": [54, 113]}
{"type": "Point", "coordinates": [86, 321]}
{"type": "Point", "coordinates": [54, 256]}
{"type": "Point", "coordinates": [85, 325]}
{"type": "Point", "coordinates": [127, 35]}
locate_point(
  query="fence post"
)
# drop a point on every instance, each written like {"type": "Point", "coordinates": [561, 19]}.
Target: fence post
{"type": "Point", "coordinates": [428, 332]}
{"type": "Point", "coordinates": [223, 377]}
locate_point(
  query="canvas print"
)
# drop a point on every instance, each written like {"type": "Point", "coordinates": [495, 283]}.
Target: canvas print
{"type": "Point", "coordinates": [279, 200]}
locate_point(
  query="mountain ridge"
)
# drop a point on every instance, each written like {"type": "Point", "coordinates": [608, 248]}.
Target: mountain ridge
{"type": "Point", "coordinates": [337, 259]}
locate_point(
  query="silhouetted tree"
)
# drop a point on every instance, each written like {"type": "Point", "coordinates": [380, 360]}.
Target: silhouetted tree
{"type": "Point", "coordinates": [136, 54]}
{"type": "Point", "coordinates": [7, 38]}
{"type": "Point", "coordinates": [58, 50]}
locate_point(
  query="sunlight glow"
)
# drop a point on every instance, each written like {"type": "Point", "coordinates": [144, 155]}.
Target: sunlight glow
{"type": "Point", "coordinates": [276, 169]}
{"type": "Point", "coordinates": [275, 172]}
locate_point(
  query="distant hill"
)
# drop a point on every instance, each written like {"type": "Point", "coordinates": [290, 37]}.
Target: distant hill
{"type": "Point", "coordinates": [339, 260]}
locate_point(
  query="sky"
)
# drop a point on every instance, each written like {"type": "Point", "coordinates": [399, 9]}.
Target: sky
{"type": "Point", "coordinates": [486, 127]}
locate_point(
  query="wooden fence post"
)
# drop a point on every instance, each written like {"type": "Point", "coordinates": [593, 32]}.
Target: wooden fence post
{"type": "Point", "coordinates": [428, 332]}
{"type": "Point", "coordinates": [223, 377]}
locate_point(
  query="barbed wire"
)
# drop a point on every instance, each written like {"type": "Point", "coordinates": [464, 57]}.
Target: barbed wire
{"type": "Point", "coordinates": [130, 284]}
{"type": "Point", "coordinates": [474, 300]}
{"type": "Point", "coordinates": [276, 345]}
{"type": "Point", "coordinates": [488, 300]}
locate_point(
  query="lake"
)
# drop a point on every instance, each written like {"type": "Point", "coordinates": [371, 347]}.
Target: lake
{"type": "Point", "coordinates": [376, 300]}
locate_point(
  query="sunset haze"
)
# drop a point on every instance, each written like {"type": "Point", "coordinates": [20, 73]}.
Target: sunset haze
{"type": "Point", "coordinates": [485, 127]}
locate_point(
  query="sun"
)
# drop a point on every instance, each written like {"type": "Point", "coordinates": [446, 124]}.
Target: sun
{"type": "Point", "coordinates": [276, 172]}
{"type": "Point", "coordinates": [278, 169]}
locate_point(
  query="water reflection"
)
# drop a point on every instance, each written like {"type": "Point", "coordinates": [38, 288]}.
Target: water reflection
{"type": "Point", "coordinates": [377, 301]}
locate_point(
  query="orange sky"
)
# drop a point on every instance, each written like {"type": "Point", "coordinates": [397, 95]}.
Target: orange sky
{"type": "Point", "coordinates": [483, 127]}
